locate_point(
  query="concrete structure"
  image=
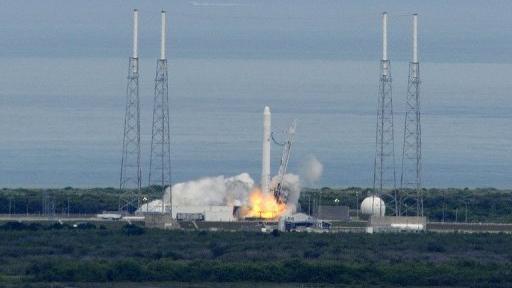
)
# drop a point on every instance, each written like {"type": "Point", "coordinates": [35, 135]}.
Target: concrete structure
{"type": "Point", "coordinates": [300, 222]}
{"type": "Point", "coordinates": [451, 227]}
{"type": "Point", "coordinates": [336, 213]}
{"type": "Point", "coordinates": [265, 152]}
{"type": "Point", "coordinates": [396, 224]}
{"type": "Point", "coordinates": [373, 206]}
{"type": "Point", "coordinates": [210, 213]}
{"type": "Point", "coordinates": [159, 220]}
{"type": "Point", "coordinates": [109, 215]}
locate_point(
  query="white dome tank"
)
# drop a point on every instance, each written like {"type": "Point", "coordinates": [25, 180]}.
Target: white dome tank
{"type": "Point", "coordinates": [373, 205]}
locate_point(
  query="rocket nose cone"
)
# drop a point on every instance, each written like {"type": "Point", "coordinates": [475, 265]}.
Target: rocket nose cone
{"type": "Point", "coordinates": [267, 110]}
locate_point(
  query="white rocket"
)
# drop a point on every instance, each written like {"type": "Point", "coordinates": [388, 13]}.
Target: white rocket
{"type": "Point", "coordinates": [265, 155]}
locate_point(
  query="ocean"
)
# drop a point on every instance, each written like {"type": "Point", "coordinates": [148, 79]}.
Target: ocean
{"type": "Point", "coordinates": [61, 119]}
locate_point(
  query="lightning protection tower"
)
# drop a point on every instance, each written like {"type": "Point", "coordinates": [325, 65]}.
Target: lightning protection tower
{"type": "Point", "coordinates": [384, 177]}
{"type": "Point", "coordinates": [160, 158]}
{"type": "Point", "coordinates": [410, 180]}
{"type": "Point", "coordinates": [131, 175]}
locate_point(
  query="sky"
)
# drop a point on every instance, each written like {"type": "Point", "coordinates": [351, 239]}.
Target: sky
{"type": "Point", "coordinates": [450, 31]}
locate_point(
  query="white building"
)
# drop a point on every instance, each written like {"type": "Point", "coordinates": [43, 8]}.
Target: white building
{"type": "Point", "coordinates": [210, 213]}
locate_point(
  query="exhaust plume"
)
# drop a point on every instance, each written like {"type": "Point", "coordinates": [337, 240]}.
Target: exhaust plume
{"type": "Point", "coordinates": [311, 170]}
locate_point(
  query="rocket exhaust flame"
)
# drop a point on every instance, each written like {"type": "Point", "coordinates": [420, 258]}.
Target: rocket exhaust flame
{"type": "Point", "coordinates": [264, 206]}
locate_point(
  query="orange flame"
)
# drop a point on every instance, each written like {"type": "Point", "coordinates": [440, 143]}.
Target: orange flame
{"type": "Point", "coordinates": [264, 206]}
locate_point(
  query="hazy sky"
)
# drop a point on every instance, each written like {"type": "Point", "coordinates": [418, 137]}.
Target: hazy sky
{"type": "Point", "coordinates": [451, 31]}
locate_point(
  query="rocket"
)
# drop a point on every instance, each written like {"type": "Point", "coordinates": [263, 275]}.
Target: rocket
{"type": "Point", "coordinates": [265, 155]}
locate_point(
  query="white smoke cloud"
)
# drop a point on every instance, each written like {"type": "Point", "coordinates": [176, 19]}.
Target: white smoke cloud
{"type": "Point", "coordinates": [208, 191]}
{"type": "Point", "coordinates": [222, 191]}
{"type": "Point", "coordinates": [212, 191]}
{"type": "Point", "coordinates": [291, 185]}
{"type": "Point", "coordinates": [311, 170]}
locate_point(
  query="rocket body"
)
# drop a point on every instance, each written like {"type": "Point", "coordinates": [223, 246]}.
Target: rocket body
{"type": "Point", "coordinates": [265, 160]}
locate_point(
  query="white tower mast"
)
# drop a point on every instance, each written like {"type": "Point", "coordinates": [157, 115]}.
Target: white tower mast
{"type": "Point", "coordinates": [135, 33]}
{"type": "Point", "coordinates": [163, 36]}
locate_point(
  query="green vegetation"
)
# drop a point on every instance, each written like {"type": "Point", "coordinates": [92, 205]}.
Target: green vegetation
{"type": "Point", "coordinates": [483, 205]}
{"type": "Point", "coordinates": [74, 200]}
{"type": "Point", "coordinates": [35, 253]}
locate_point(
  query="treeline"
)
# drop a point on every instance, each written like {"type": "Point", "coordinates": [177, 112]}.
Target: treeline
{"type": "Point", "coordinates": [472, 205]}
{"type": "Point", "coordinates": [449, 205]}
{"type": "Point", "coordinates": [59, 253]}
{"type": "Point", "coordinates": [67, 200]}
{"type": "Point", "coordinates": [460, 273]}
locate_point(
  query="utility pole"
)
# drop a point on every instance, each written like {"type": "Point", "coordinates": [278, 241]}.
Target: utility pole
{"type": "Point", "coordinates": [444, 204]}
{"type": "Point", "coordinates": [357, 204]}
{"type": "Point", "coordinates": [466, 203]}
{"type": "Point", "coordinates": [10, 208]}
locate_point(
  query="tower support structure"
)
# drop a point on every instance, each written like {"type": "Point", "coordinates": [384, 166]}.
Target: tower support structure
{"type": "Point", "coordinates": [384, 173]}
{"type": "Point", "coordinates": [411, 200]}
{"type": "Point", "coordinates": [160, 157]}
{"type": "Point", "coordinates": [131, 174]}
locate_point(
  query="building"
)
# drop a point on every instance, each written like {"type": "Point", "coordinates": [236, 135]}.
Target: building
{"type": "Point", "coordinates": [397, 224]}
{"type": "Point", "coordinates": [206, 213]}
{"type": "Point", "coordinates": [333, 213]}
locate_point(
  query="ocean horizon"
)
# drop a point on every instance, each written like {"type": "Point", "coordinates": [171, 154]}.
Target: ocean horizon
{"type": "Point", "coordinates": [62, 119]}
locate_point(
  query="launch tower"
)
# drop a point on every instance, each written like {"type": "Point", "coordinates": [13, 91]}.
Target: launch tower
{"type": "Point", "coordinates": [160, 158]}
{"type": "Point", "coordinates": [131, 175]}
{"type": "Point", "coordinates": [384, 177]}
{"type": "Point", "coordinates": [411, 202]}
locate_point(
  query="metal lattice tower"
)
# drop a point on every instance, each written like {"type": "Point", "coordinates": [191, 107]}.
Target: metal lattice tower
{"type": "Point", "coordinates": [131, 175]}
{"type": "Point", "coordinates": [384, 173]}
{"type": "Point", "coordinates": [411, 200]}
{"type": "Point", "coordinates": [160, 158]}
{"type": "Point", "coordinates": [280, 194]}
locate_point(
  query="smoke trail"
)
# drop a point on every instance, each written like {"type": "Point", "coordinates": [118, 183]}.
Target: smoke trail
{"type": "Point", "coordinates": [222, 191]}
{"type": "Point", "coordinates": [212, 191]}
{"type": "Point", "coordinates": [311, 170]}
{"type": "Point", "coordinates": [291, 185]}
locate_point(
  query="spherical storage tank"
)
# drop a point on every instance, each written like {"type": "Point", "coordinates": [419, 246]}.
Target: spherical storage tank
{"type": "Point", "coordinates": [373, 205]}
